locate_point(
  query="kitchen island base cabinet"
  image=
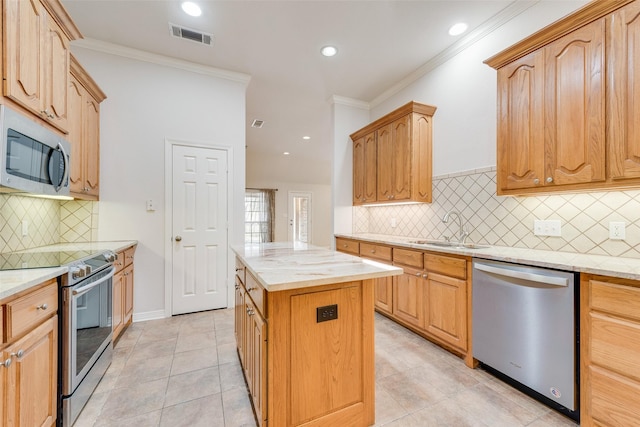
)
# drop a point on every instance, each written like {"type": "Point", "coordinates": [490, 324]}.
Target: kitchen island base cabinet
{"type": "Point", "coordinates": [310, 360]}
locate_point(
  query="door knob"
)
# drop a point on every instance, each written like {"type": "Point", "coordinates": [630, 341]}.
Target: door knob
{"type": "Point", "coordinates": [178, 238]}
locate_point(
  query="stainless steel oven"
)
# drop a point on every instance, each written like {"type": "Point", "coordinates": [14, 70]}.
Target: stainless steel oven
{"type": "Point", "coordinates": [86, 331]}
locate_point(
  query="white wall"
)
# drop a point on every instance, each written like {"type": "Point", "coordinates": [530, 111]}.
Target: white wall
{"type": "Point", "coordinates": [348, 117]}
{"type": "Point", "coordinates": [145, 104]}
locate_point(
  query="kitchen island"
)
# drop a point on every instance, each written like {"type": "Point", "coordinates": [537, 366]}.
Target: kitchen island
{"type": "Point", "coordinates": [305, 333]}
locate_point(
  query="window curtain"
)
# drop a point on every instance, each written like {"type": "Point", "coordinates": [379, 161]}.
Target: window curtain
{"type": "Point", "coordinates": [260, 206]}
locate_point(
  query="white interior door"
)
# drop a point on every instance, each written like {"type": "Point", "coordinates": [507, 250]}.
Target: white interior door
{"type": "Point", "coordinates": [299, 217]}
{"type": "Point", "coordinates": [199, 229]}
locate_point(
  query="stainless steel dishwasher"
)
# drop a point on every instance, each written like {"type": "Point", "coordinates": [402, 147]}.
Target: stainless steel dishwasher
{"type": "Point", "coordinates": [525, 328]}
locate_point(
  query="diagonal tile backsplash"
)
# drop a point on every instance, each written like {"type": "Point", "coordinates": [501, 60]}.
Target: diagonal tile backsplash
{"type": "Point", "coordinates": [508, 221]}
{"type": "Point", "coordinates": [47, 222]}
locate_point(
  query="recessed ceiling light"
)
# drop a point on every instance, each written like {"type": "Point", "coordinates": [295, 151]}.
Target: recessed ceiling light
{"type": "Point", "coordinates": [329, 50]}
{"type": "Point", "coordinates": [192, 9]}
{"type": "Point", "coordinates": [306, 137]}
{"type": "Point", "coordinates": [457, 29]}
{"type": "Point", "coordinates": [286, 153]}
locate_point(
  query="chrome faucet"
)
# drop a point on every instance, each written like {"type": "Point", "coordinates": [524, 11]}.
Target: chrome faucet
{"type": "Point", "coordinates": [462, 232]}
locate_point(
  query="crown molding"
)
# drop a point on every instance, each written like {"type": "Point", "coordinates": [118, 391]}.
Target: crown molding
{"type": "Point", "coordinates": [483, 30]}
{"type": "Point", "coordinates": [127, 52]}
{"type": "Point", "coordinates": [350, 102]}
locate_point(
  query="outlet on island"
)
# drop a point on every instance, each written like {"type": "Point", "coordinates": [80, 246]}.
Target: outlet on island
{"type": "Point", "coordinates": [327, 312]}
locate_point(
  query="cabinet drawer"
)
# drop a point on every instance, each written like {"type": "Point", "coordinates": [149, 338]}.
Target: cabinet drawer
{"type": "Point", "coordinates": [379, 252]}
{"type": "Point", "coordinates": [615, 298]}
{"type": "Point", "coordinates": [615, 344]}
{"type": "Point", "coordinates": [613, 399]}
{"type": "Point", "coordinates": [407, 257]}
{"type": "Point", "coordinates": [128, 255]}
{"type": "Point", "coordinates": [27, 311]}
{"type": "Point", "coordinates": [240, 270]}
{"type": "Point", "coordinates": [349, 246]}
{"type": "Point", "coordinates": [449, 266]}
{"type": "Point", "coordinates": [256, 292]}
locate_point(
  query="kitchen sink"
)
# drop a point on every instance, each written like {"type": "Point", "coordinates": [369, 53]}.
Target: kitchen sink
{"type": "Point", "coordinates": [448, 244]}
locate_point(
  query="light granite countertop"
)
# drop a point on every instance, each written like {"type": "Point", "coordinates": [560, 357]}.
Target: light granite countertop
{"type": "Point", "coordinates": [283, 266]}
{"type": "Point", "coordinates": [628, 268]}
{"type": "Point", "coordinates": [14, 281]}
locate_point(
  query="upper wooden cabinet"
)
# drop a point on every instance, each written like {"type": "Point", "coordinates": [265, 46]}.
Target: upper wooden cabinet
{"type": "Point", "coordinates": [84, 133]}
{"type": "Point", "coordinates": [36, 57]}
{"type": "Point", "coordinates": [565, 104]}
{"type": "Point", "coordinates": [364, 169]}
{"type": "Point", "coordinates": [392, 157]}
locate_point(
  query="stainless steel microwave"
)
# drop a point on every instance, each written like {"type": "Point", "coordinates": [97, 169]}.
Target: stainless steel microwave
{"type": "Point", "coordinates": [33, 159]}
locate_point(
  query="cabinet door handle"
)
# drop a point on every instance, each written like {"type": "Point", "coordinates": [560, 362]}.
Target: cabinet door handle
{"type": "Point", "coordinates": [19, 354]}
{"type": "Point", "coordinates": [425, 275]}
{"type": "Point", "coordinates": [42, 307]}
{"type": "Point", "coordinates": [6, 363]}
{"type": "Point", "coordinates": [549, 179]}
{"type": "Point", "coordinates": [418, 274]}
{"type": "Point", "coordinates": [536, 181]}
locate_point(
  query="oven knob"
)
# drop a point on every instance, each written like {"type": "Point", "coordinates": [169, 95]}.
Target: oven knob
{"type": "Point", "coordinates": [87, 270]}
{"type": "Point", "coordinates": [78, 272]}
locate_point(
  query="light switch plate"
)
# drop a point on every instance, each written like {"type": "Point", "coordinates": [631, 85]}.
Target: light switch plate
{"type": "Point", "coordinates": [617, 230]}
{"type": "Point", "coordinates": [548, 227]}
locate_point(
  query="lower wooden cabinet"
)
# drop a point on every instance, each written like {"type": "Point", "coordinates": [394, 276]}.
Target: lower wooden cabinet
{"type": "Point", "coordinates": [122, 289]}
{"type": "Point", "coordinates": [301, 371]}
{"type": "Point", "coordinates": [432, 297]}
{"type": "Point", "coordinates": [609, 351]}
{"type": "Point", "coordinates": [29, 358]}
{"type": "Point", "coordinates": [251, 336]}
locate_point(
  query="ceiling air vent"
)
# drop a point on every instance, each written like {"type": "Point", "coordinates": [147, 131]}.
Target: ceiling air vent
{"type": "Point", "coordinates": [191, 34]}
{"type": "Point", "coordinates": [257, 124]}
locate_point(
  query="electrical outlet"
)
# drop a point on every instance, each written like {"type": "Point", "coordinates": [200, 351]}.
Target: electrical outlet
{"type": "Point", "coordinates": [617, 230]}
{"type": "Point", "coordinates": [328, 312]}
{"type": "Point", "coordinates": [25, 228]}
{"type": "Point", "coordinates": [549, 227]}
{"type": "Point", "coordinates": [394, 223]}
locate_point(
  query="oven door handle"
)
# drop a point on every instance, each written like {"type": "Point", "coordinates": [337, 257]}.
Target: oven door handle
{"type": "Point", "coordinates": [87, 288]}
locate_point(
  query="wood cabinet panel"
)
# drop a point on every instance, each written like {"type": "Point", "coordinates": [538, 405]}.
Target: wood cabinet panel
{"type": "Point", "coordinates": [623, 108]}
{"type": "Point", "coordinates": [31, 380]}
{"type": "Point", "coordinates": [258, 370]}
{"type": "Point", "coordinates": [349, 246]}
{"type": "Point", "coordinates": [447, 265]}
{"type": "Point", "coordinates": [29, 310]}
{"type": "Point", "coordinates": [400, 160]}
{"type": "Point", "coordinates": [409, 296]}
{"type": "Point", "coordinates": [575, 107]}
{"type": "Point", "coordinates": [612, 399]}
{"type": "Point", "coordinates": [118, 304]}
{"type": "Point", "coordinates": [446, 309]}
{"type": "Point", "coordinates": [239, 313]}
{"type": "Point", "coordinates": [383, 294]}
{"type": "Point", "coordinates": [609, 351]}
{"type": "Point", "coordinates": [364, 169]}
{"type": "Point", "coordinates": [521, 123]}
{"type": "Point", "coordinates": [377, 252]}
{"type": "Point", "coordinates": [408, 257]}
{"type": "Point", "coordinates": [57, 74]}
{"type": "Point", "coordinates": [384, 167]}
{"type": "Point", "coordinates": [256, 292]}
{"type": "Point", "coordinates": [325, 356]}
{"type": "Point", "coordinates": [128, 294]}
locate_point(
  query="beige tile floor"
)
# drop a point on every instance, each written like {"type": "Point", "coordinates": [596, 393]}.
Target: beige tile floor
{"type": "Point", "coordinates": [184, 371]}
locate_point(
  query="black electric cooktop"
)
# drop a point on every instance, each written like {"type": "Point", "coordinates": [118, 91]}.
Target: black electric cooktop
{"type": "Point", "coordinates": [43, 259]}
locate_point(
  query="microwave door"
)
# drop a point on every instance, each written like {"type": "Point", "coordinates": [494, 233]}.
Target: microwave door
{"type": "Point", "coordinates": [20, 159]}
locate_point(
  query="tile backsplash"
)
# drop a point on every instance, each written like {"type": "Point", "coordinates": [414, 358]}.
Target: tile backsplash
{"type": "Point", "coordinates": [507, 220]}
{"type": "Point", "coordinates": [45, 221]}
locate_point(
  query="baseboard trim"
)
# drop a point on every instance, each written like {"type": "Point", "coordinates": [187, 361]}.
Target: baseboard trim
{"type": "Point", "coordinates": [148, 315]}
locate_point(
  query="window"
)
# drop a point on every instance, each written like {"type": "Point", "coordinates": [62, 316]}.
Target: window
{"type": "Point", "coordinates": [259, 209]}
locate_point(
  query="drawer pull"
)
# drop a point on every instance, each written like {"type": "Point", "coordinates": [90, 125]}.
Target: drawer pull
{"type": "Point", "coordinates": [251, 289]}
{"type": "Point", "coordinates": [42, 307]}
{"type": "Point", "coordinates": [238, 269]}
{"type": "Point", "coordinates": [418, 274]}
{"type": "Point", "coordinates": [425, 275]}
{"type": "Point", "coordinates": [6, 363]}
{"type": "Point", "coordinates": [19, 354]}
{"type": "Point", "coordinates": [373, 251]}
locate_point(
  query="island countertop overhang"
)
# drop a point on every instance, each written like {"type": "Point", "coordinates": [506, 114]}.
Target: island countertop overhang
{"type": "Point", "coordinates": [280, 266]}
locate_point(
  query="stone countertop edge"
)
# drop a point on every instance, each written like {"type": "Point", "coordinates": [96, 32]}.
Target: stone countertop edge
{"type": "Point", "coordinates": [14, 281]}
{"type": "Point", "coordinates": [279, 266]}
{"type": "Point", "coordinates": [604, 265]}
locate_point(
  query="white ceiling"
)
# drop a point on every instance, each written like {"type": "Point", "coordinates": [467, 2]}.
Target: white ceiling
{"type": "Point", "coordinates": [278, 44]}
